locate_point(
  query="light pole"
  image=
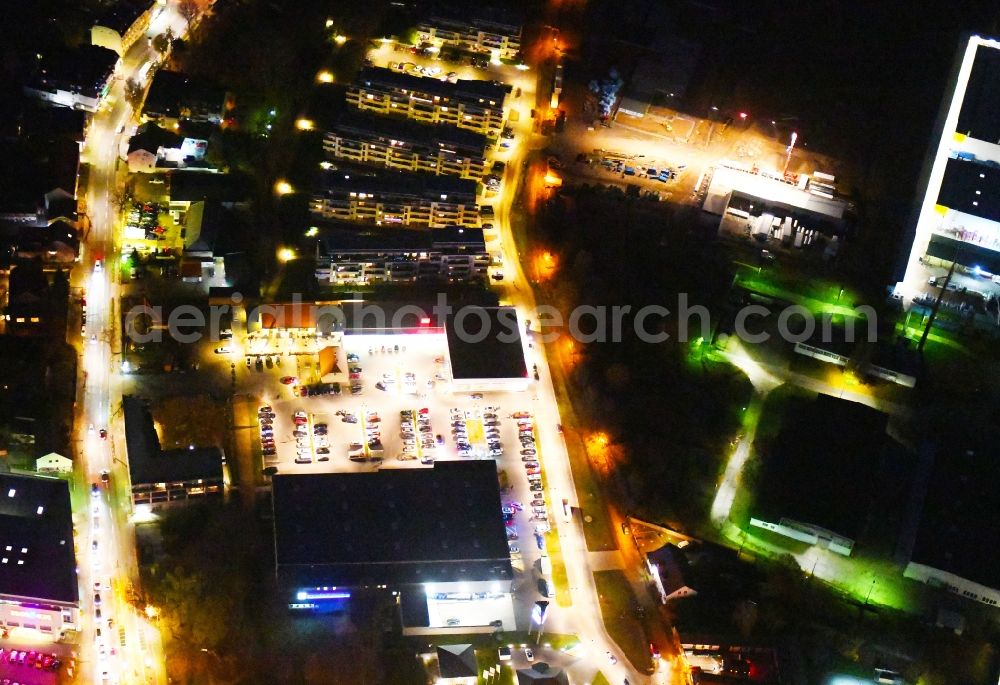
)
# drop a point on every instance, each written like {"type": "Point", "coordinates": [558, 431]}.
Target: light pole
{"type": "Point", "coordinates": [788, 153]}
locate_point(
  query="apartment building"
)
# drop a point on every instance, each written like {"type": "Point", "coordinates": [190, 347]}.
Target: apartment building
{"type": "Point", "coordinates": [352, 256]}
{"type": "Point", "coordinates": [491, 31]}
{"type": "Point", "coordinates": [123, 24]}
{"type": "Point", "coordinates": [467, 104]}
{"type": "Point", "coordinates": [407, 146]}
{"type": "Point", "coordinates": [387, 199]}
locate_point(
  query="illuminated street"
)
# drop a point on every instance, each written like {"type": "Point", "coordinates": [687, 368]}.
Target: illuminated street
{"type": "Point", "coordinates": [128, 648]}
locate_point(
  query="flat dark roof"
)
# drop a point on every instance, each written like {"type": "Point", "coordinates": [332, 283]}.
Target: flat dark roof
{"type": "Point", "coordinates": [36, 539]}
{"type": "Point", "coordinates": [825, 465]}
{"type": "Point", "coordinates": [148, 463]}
{"type": "Point", "coordinates": [479, 15]}
{"type": "Point", "coordinates": [392, 128]}
{"type": "Point", "coordinates": [972, 188]}
{"type": "Point", "coordinates": [192, 186]}
{"type": "Point", "coordinates": [464, 89]}
{"type": "Point", "coordinates": [959, 530]}
{"type": "Point", "coordinates": [346, 237]}
{"type": "Point", "coordinates": [122, 14]}
{"type": "Point", "coordinates": [172, 90]}
{"type": "Point", "coordinates": [426, 186]}
{"type": "Point", "coordinates": [84, 69]}
{"type": "Point", "coordinates": [485, 342]}
{"type": "Point", "coordinates": [968, 254]}
{"type": "Point", "coordinates": [978, 116]}
{"type": "Point", "coordinates": [395, 526]}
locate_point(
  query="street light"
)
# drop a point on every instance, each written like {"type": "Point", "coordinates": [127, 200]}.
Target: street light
{"type": "Point", "coordinates": [304, 124]}
{"type": "Point", "coordinates": [283, 188]}
{"type": "Point", "coordinates": [286, 254]}
{"type": "Point", "coordinates": [325, 76]}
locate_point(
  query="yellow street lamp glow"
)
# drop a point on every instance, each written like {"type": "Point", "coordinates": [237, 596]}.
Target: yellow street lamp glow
{"type": "Point", "coordinates": [304, 124]}
{"type": "Point", "coordinates": [312, 232]}
{"type": "Point", "coordinates": [151, 611]}
{"type": "Point", "coordinates": [325, 76]}
{"type": "Point", "coordinates": [329, 23]}
{"type": "Point", "coordinates": [283, 187]}
{"type": "Point", "coordinates": [340, 39]}
{"type": "Point", "coordinates": [286, 254]}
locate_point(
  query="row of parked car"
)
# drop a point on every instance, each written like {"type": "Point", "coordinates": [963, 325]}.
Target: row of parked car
{"type": "Point", "coordinates": [29, 658]}
{"type": "Point", "coordinates": [265, 417]}
{"type": "Point", "coordinates": [414, 426]}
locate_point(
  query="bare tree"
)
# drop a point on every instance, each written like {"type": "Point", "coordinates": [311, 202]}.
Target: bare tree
{"type": "Point", "coordinates": [187, 9]}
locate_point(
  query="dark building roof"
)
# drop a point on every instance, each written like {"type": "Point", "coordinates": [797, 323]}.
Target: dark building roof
{"type": "Point", "coordinates": [192, 186]}
{"type": "Point", "coordinates": [122, 14]}
{"type": "Point", "coordinates": [33, 167]}
{"type": "Point", "coordinates": [35, 118]}
{"type": "Point", "coordinates": [395, 526]}
{"type": "Point", "coordinates": [387, 129]}
{"type": "Point", "coordinates": [479, 15]}
{"type": "Point", "coordinates": [825, 465]}
{"type": "Point", "coordinates": [457, 661]}
{"type": "Point", "coordinates": [24, 369]}
{"type": "Point", "coordinates": [151, 138]}
{"type": "Point", "coordinates": [173, 92]}
{"type": "Point", "coordinates": [83, 70]}
{"type": "Point", "coordinates": [148, 463]}
{"type": "Point", "coordinates": [485, 342]}
{"type": "Point", "coordinates": [541, 674]}
{"type": "Point", "coordinates": [417, 186]}
{"type": "Point", "coordinates": [966, 254]}
{"type": "Point", "coordinates": [971, 187]}
{"type": "Point", "coordinates": [465, 90]}
{"type": "Point", "coordinates": [959, 531]}
{"type": "Point", "coordinates": [347, 237]}
{"type": "Point", "coordinates": [36, 539]}
{"type": "Point", "coordinates": [978, 116]}
{"type": "Point", "coordinates": [215, 220]}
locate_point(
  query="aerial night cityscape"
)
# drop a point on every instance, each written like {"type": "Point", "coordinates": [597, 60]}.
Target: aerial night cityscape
{"type": "Point", "coordinates": [508, 342]}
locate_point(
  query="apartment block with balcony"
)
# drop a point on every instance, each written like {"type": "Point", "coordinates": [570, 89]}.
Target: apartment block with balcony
{"type": "Point", "coordinates": [388, 199]}
{"type": "Point", "coordinates": [490, 32]}
{"type": "Point", "coordinates": [349, 255]}
{"type": "Point", "coordinates": [407, 146]}
{"type": "Point", "coordinates": [467, 104]}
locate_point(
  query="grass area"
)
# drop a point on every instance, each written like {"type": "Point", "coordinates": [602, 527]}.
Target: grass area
{"type": "Point", "coordinates": [617, 610]}
{"type": "Point", "coordinates": [559, 578]}
{"type": "Point", "coordinates": [600, 679]}
{"type": "Point", "coordinates": [815, 294]}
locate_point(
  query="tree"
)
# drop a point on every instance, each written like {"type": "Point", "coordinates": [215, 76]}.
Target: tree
{"type": "Point", "coordinates": [187, 9]}
{"type": "Point", "coordinates": [134, 93]}
{"type": "Point", "coordinates": [162, 42]}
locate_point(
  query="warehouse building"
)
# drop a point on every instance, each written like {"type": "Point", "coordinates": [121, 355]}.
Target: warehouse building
{"type": "Point", "coordinates": [958, 538]}
{"type": "Point", "coordinates": [435, 537]}
{"type": "Point", "coordinates": [400, 199]}
{"type": "Point", "coordinates": [822, 476]}
{"type": "Point", "coordinates": [958, 219]}
{"type": "Point", "coordinates": [467, 104]}
{"type": "Point", "coordinates": [407, 146]}
{"type": "Point", "coordinates": [39, 589]}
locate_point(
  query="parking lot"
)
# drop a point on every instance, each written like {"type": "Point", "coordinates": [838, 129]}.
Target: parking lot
{"type": "Point", "coordinates": [337, 432]}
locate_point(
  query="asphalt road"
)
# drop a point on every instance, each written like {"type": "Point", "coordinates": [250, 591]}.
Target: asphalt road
{"type": "Point", "coordinates": [120, 646]}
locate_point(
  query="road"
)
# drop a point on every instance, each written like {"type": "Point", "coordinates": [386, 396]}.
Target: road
{"type": "Point", "coordinates": [117, 643]}
{"type": "Point", "coordinates": [583, 616]}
